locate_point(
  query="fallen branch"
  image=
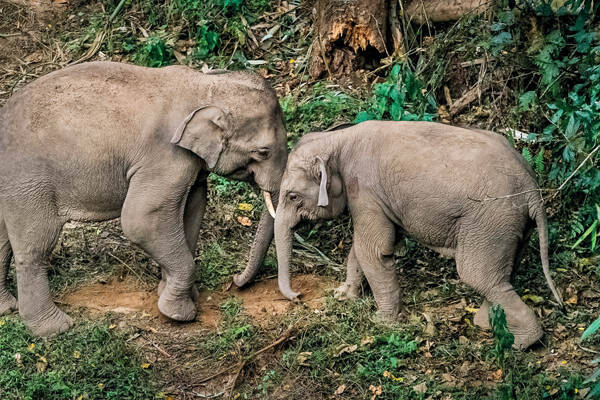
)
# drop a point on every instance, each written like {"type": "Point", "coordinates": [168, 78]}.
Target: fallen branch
{"type": "Point", "coordinates": [164, 353]}
{"type": "Point", "coordinates": [125, 264]}
{"type": "Point", "coordinates": [287, 335]}
{"type": "Point", "coordinates": [467, 98]}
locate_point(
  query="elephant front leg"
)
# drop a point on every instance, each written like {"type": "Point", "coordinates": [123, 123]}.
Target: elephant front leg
{"type": "Point", "coordinates": [354, 277]}
{"type": "Point", "coordinates": [192, 220]}
{"type": "Point", "coordinates": [374, 238]}
{"type": "Point", "coordinates": [482, 316]}
{"type": "Point", "coordinates": [152, 218]}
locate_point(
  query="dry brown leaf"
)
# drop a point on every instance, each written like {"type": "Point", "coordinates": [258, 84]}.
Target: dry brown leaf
{"type": "Point", "coordinates": [496, 376]}
{"type": "Point", "coordinates": [340, 390]}
{"type": "Point", "coordinates": [41, 367]}
{"type": "Point", "coordinates": [420, 388]}
{"type": "Point", "coordinates": [367, 340]}
{"type": "Point", "coordinates": [303, 358]}
{"type": "Point", "coordinates": [376, 390]}
{"type": "Point", "coordinates": [244, 221]}
{"type": "Point", "coordinates": [572, 300]}
{"type": "Point", "coordinates": [346, 349]}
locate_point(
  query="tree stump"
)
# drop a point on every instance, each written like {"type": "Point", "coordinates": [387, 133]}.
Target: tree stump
{"type": "Point", "coordinates": [352, 34]}
{"type": "Point", "coordinates": [347, 33]}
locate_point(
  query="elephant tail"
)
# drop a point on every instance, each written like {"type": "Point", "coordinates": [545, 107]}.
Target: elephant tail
{"type": "Point", "coordinates": [537, 213]}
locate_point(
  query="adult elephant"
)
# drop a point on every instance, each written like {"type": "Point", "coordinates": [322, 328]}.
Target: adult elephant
{"type": "Point", "coordinates": [101, 140]}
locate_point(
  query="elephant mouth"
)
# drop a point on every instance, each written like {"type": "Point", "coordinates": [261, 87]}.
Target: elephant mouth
{"type": "Point", "coordinates": [240, 174]}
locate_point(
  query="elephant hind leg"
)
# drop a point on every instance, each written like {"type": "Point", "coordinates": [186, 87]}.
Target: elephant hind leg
{"type": "Point", "coordinates": [481, 318]}
{"type": "Point", "coordinates": [486, 265]}
{"type": "Point", "coordinates": [8, 302]}
{"type": "Point", "coordinates": [33, 230]}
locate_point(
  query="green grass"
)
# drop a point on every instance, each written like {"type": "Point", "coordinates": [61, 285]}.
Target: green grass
{"type": "Point", "coordinates": [90, 361]}
{"type": "Point", "coordinates": [236, 333]}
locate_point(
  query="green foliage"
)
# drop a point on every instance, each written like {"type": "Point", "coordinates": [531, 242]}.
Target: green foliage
{"type": "Point", "coordinates": [560, 98]}
{"type": "Point", "coordinates": [591, 231]}
{"type": "Point", "coordinates": [216, 266]}
{"type": "Point", "coordinates": [235, 331]}
{"type": "Point", "coordinates": [214, 22]}
{"type": "Point", "coordinates": [503, 339]}
{"type": "Point", "coordinates": [527, 155]}
{"type": "Point", "coordinates": [91, 361]}
{"type": "Point", "coordinates": [154, 52]}
{"type": "Point", "coordinates": [593, 379]}
{"type": "Point", "coordinates": [227, 188]}
{"type": "Point", "coordinates": [269, 380]}
{"type": "Point", "coordinates": [538, 161]}
{"type": "Point", "coordinates": [387, 354]}
{"type": "Point", "coordinates": [318, 109]}
{"type": "Point", "coordinates": [206, 40]}
{"type": "Point", "coordinates": [400, 98]}
{"type": "Point", "coordinates": [501, 35]}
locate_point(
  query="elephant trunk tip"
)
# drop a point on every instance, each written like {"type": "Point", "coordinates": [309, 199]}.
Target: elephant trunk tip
{"type": "Point", "coordinates": [290, 294]}
{"type": "Point", "coordinates": [240, 280]}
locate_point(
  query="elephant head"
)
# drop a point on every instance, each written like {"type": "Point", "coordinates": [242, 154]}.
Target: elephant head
{"type": "Point", "coordinates": [238, 131]}
{"type": "Point", "coordinates": [312, 188]}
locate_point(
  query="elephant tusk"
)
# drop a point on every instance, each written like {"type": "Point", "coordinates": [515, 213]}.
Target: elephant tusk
{"type": "Point", "coordinates": [269, 203]}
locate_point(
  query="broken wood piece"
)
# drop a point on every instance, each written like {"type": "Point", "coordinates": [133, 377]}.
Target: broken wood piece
{"type": "Point", "coordinates": [421, 11]}
{"type": "Point", "coordinates": [468, 98]}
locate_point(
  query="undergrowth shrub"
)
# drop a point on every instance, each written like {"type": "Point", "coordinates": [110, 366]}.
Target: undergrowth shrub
{"type": "Point", "coordinates": [89, 361]}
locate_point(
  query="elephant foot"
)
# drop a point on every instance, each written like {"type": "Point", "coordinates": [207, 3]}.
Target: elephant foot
{"type": "Point", "coordinates": [347, 291]}
{"type": "Point", "coordinates": [51, 323]}
{"type": "Point", "coordinates": [176, 308]}
{"type": "Point", "coordinates": [386, 317]}
{"type": "Point", "coordinates": [8, 303]}
{"type": "Point", "coordinates": [481, 318]}
{"type": "Point", "coordinates": [525, 339]}
{"type": "Point", "coordinates": [195, 294]}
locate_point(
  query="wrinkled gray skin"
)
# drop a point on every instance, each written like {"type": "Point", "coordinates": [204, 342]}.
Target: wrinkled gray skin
{"type": "Point", "coordinates": [104, 140]}
{"type": "Point", "coordinates": [263, 238]}
{"type": "Point", "coordinates": [465, 193]}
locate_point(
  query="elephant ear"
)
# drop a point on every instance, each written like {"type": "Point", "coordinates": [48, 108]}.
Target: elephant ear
{"type": "Point", "coordinates": [203, 132]}
{"type": "Point", "coordinates": [320, 175]}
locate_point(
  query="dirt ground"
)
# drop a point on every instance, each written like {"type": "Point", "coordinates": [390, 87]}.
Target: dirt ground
{"type": "Point", "coordinates": [262, 301]}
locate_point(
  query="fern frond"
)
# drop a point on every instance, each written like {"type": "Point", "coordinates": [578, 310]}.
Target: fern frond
{"type": "Point", "coordinates": [527, 155]}
{"type": "Point", "coordinates": [539, 161]}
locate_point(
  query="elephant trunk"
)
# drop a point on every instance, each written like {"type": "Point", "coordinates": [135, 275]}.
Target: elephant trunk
{"type": "Point", "coordinates": [283, 242]}
{"type": "Point", "coordinates": [262, 241]}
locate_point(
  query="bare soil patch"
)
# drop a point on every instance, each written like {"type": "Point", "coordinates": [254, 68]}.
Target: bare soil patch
{"type": "Point", "coordinates": [261, 301]}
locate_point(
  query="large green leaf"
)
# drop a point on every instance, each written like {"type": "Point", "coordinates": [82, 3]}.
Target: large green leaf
{"type": "Point", "coordinates": [591, 329]}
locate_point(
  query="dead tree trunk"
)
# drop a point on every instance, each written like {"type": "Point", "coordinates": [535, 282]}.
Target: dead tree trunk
{"type": "Point", "coordinates": [346, 31]}
{"type": "Point", "coordinates": [351, 34]}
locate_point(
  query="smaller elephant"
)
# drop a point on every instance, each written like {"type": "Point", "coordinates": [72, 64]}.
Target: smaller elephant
{"type": "Point", "coordinates": [465, 193]}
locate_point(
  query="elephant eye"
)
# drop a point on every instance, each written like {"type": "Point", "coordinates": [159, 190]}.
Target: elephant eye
{"type": "Point", "coordinates": [263, 153]}
{"type": "Point", "coordinates": [293, 196]}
